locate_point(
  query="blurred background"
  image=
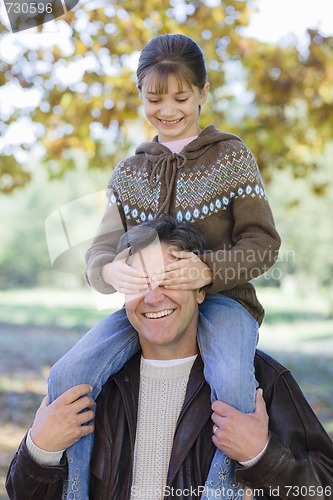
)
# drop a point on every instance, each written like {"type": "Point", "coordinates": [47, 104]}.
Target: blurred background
{"type": "Point", "coordinates": [69, 112]}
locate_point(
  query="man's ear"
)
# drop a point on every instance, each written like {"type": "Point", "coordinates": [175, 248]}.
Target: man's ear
{"type": "Point", "coordinates": [201, 296]}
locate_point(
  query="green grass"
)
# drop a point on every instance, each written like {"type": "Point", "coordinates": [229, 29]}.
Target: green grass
{"type": "Point", "coordinates": [38, 326]}
{"type": "Point", "coordinates": [56, 308]}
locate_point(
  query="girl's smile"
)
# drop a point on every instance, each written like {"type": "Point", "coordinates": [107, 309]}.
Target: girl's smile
{"type": "Point", "coordinates": [174, 114]}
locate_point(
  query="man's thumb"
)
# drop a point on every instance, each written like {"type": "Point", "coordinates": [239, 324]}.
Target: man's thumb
{"type": "Point", "coordinates": [260, 402]}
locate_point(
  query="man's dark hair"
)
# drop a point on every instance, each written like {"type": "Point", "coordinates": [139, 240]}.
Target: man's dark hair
{"type": "Point", "coordinates": [164, 229]}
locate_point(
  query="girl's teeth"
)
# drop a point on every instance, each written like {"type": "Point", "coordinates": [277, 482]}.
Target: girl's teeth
{"type": "Point", "coordinates": [170, 122]}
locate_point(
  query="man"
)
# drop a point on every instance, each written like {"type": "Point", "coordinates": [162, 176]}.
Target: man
{"type": "Point", "coordinates": [155, 433]}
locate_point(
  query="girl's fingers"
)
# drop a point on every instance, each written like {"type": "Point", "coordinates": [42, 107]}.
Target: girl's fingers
{"type": "Point", "coordinates": [184, 286]}
{"type": "Point", "coordinates": [171, 274]}
{"type": "Point", "coordinates": [176, 282]}
{"type": "Point", "coordinates": [133, 273]}
{"type": "Point", "coordinates": [126, 287]}
{"type": "Point", "coordinates": [174, 266]}
{"type": "Point", "coordinates": [124, 254]}
{"type": "Point", "coordinates": [176, 279]}
{"type": "Point", "coordinates": [132, 293]}
{"type": "Point", "coordinates": [133, 282]}
{"type": "Point", "coordinates": [182, 254]}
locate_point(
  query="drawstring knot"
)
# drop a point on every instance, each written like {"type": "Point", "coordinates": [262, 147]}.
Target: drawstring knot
{"type": "Point", "coordinates": [165, 169]}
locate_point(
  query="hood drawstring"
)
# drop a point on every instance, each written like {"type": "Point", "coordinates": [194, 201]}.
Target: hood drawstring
{"type": "Point", "coordinates": [165, 169]}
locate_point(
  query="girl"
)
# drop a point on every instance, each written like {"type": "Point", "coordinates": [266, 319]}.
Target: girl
{"type": "Point", "coordinates": [205, 177]}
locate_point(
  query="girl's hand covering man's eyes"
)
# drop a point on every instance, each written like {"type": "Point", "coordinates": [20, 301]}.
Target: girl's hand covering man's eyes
{"type": "Point", "coordinates": [122, 277]}
{"type": "Point", "coordinates": [188, 272]}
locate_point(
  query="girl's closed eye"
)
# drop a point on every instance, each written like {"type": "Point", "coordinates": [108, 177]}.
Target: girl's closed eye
{"type": "Point", "coordinates": [157, 101]}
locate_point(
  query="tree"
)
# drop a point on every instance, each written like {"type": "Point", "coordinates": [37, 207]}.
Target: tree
{"type": "Point", "coordinates": [94, 111]}
{"type": "Point", "coordinates": [87, 99]}
{"type": "Point", "coordinates": [292, 113]}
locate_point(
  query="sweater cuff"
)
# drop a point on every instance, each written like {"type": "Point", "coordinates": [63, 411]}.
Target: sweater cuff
{"type": "Point", "coordinates": [270, 466]}
{"type": "Point", "coordinates": [253, 461]}
{"type": "Point", "coordinates": [40, 456]}
{"type": "Point", "coordinates": [95, 278]}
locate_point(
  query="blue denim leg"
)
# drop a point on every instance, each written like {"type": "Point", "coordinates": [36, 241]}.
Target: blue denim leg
{"type": "Point", "coordinates": [227, 338]}
{"type": "Point", "coordinates": [100, 353]}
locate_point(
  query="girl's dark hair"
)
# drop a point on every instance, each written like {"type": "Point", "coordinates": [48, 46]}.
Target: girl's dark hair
{"type": "Point", "coordinates": [174, 54]}
{"type": "Point", "coordinates": [164, 229]}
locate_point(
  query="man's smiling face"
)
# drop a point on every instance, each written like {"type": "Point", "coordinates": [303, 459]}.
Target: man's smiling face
{"type": "Point", "coordinates": [166, 320]}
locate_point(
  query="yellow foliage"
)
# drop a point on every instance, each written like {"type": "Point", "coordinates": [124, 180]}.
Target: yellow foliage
{"type": "Point", "coordinates": [218, 15]}
{"type": "Point", "coordinates": [283, 95]}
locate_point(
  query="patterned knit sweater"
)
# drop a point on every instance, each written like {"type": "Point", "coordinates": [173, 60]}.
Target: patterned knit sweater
{"type": "Point", "coordinates": [215, 183]}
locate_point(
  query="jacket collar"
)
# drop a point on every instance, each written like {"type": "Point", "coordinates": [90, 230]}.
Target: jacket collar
{"type": "Point", "coordinates": [128, 382]}
{"type": "Point", "coordinates": [193, 416]}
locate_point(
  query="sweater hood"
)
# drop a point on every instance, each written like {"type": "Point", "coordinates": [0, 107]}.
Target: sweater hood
{"type": "Point", "coordinates": [210, 135]}
{"type": "Point", "coordinates": [162, 164]}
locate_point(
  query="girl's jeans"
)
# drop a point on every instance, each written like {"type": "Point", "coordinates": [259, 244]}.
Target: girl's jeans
{"type": "Point", "coordinates": [227, 339]}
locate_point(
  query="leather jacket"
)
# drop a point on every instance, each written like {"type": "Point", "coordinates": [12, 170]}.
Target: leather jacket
{"type": "Point", "coordinates": [298, 461]}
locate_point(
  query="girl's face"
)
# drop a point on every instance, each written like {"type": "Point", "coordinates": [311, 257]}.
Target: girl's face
{"type": "Point", "coordinates": [174, 114]}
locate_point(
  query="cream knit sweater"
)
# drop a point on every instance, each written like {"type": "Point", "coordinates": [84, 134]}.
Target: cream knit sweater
{"type": "Point", "coordinates": [161, 397]}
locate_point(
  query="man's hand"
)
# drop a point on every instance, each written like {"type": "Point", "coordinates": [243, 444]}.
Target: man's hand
{"type": "Point", "coordinates": [187, 273]}
{"type": "Point", "coordinates": [60, 424]}
{"type": "Point", "coordinates": [241, 436]}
